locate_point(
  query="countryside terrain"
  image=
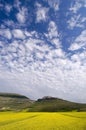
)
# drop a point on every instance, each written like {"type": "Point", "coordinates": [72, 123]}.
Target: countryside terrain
{"type": "Point", "coordinates": [18, 112]}
{"type": "Point", "coordinates": [16, 102]}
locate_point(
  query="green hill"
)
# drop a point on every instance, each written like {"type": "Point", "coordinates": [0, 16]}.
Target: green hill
{"type": "Point", "coordinates": [16, 102]}
{"type": "Point", "coordinates": [52, 104]}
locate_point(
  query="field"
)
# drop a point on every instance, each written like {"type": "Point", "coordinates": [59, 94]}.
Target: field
{"type": "Point", "coordinates": [42, 121]}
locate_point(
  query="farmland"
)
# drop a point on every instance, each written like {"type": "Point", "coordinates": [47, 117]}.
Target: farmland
{"type": "Point", "coordinates": [42, 121]}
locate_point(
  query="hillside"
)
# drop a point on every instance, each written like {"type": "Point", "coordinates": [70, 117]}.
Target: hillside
{"type": "Point", "coordinates": [52, 104]}
{"type": "Point", "coordinates": [16, 102]}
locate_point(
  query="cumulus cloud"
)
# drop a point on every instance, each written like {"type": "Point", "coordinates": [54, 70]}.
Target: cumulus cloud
{"type": "Point", "coordinates": [77, 18]}
{"type": "Point", "coordinates": [53, 34]}
{"type": "Point", "coordinates": [76, 21]}
{"type": "Point", "coordinates": [80, 42]}
{"type": "Point", "coordinates": [17, 33]}
{"type": "Point", "coordinates": [22, 15]}
{"type": "Point", "coordinates": [79, 57]}
{"type": "Point", "coordinates": [62, 81]}
{"type": "Point", "coordinates": [54, 4]}
{"type": "Point", "coordinates": [75, 7]}
{"type": "Point", "coordinates": [42, 13]}
{"type": "Point", "coordinates": [6, 33]}
{"type": "Point", "coordinates": [52, 30]}
{"type": "Point", "coordinates": [8, 8]}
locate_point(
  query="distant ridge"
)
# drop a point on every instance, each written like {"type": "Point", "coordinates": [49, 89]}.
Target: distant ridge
{"type": "Point", "coordinates": [17, 102]}
{"type": "Point", "coordinates": [12, 95]}
{"type": "Point", "coordinates": [53, 104]}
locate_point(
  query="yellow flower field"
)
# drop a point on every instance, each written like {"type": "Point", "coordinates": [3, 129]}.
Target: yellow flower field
{"type": "Point", "coordinates": [43, 121]}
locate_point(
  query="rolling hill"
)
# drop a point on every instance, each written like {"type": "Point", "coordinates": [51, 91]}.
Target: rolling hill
{"type": "Point", "coordinates": [16, 102]}
{"type": "Point", "coordinates": [52, 104]}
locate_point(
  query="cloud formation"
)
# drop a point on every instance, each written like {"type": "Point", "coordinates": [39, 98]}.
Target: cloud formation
{"type": "Point", "coordinates": [77, 18]}
{"type": "Point", "coordinates": [80, 42]}
{"type": "Point", "coordinates": [5, 33]}
{"type": "Point", "coordinates": [41, 70]}
{"type": "Point", "coordinates": [42, 13]}
{"type": "Point", "coordinates": [22, 15]}
{"type": "Point", "coordinates": [54, 4]}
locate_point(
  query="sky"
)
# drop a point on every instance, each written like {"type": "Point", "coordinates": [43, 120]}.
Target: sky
{"type": "Point", "coordinates": [43, 48]}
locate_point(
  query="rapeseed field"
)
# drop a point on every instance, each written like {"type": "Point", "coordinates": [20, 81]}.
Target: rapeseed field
{"type": "Point", "coordinates": [42, 121]}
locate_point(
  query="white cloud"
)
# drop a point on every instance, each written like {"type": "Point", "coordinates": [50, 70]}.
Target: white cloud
{"type": "Point", "coordinates": [41, 14]}
{"type": "Point", "coordinates": [8, 8]}
{"type": "Point", "coordinates": [80, 42]}
{"type": "Point", "coordinates": [55, 54]}
{"type": "Point", "coordinates": [76, 16]}
{"type": "Point", "coordinates": [17, 33]}
{"type": "Point", "coordinates": [56, 42]}
{"type": "Point", "coordinates": [6, 33]}
{"type": "Point", "coordinates": [75, 7]}
{"type": "Point", "coordinates": [79, 57]}
{"type": "Point", "coordinates": [55, 81]}
{"type": "Point", "coordinates": [22, 15]}
{"type": "Point", "coordinates": [20, 18]}
{"type": "Point", "coordinates": [33, 68]}
{"type": "Point", "coordinates": [52, 31]}
{"type": "Point", "coordinates": [54, 4]}
{"type": "Point", "coordinates": [9, 23]}
{"type": "Point", "coordinates": [83, 19]}
{"type": "Point", "coordinates": [75, 47]}
{"type": "Point", "coordinates": [28, 34]}
{"type": "Point", "coordinates": [76, 21]}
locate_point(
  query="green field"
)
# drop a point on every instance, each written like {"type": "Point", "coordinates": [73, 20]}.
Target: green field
{"type": "Point", "coordinates": [43, 121]}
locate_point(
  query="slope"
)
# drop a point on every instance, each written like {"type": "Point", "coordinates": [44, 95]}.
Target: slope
{"type": "Point", "coordinates": [52, 104]}
{"type": "Point", "coordinates": [13, 102]}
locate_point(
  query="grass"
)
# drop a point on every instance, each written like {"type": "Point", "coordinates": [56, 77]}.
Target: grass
{"type": "Point", "coordinates": [55, 105]}
{"type": "Point", "coordinates": [43, 121]}
{"type": "Point", "coordinates": [16, 102]}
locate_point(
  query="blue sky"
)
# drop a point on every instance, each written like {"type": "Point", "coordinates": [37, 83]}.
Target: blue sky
{"type": "Point", "coordinates": [43, 48]}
